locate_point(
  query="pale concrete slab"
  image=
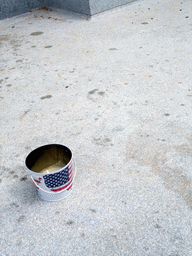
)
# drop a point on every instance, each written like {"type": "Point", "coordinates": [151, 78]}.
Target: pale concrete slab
{"type": "Point", "coordinates": [116, 89]}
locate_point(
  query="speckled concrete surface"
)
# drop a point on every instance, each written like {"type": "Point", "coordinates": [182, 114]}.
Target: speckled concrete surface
{"type": "Point", "coordinates": [116, 89]}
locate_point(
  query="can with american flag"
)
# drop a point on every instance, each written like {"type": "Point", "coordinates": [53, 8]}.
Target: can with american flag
{"type": "Point", "coordinates": [52, 170]}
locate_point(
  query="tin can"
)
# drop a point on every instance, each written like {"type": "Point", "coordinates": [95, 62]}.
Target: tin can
{"type": "Point", "coordinates": [52, 170]}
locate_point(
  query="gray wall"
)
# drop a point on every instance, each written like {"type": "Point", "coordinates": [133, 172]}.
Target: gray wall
{"type": "Point", "coordinates": [81, 6]}
{"type": "Point", "coordinates": [97, 6]}
{"type": "Point", "coordinates": [9, 8]}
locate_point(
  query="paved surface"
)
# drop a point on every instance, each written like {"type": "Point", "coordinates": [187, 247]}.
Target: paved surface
{"type": "Point", "coordinates": [116, 89]}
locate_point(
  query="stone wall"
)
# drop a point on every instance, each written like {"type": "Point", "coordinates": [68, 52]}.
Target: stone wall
{"type": "Point", "coordinates": [9, 8]}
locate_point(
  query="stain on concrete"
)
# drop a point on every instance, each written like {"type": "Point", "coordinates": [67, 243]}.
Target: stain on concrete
{"type": "Point", "coordinates": [46, 97]}
{"type": "Point", "coordinates": [112, 49]}
{"type": "Point", "coordinates": [15, 43]}
{"type": "Point", "coordinates": [92, 95]}
{"type": "Point", "coordinates": [9, 85]}
{"type": "Point", "coordinates": [93, 91]}
{"type": "Point", "coordinates": [21, 218]}
{"type": "Point", "coordinates": [101, 93]}
{"type": "Point", "coordinates": [157, 226]}
{"type": "Point", "coordinates": [15, 205]}
{"type": "Point", "coordinates": [38, 33]}
{"type": "Point", "coordinates": [48, 46]}
{"type": "Point", "coordinates": [45, 8]}
{"type": "Point", "coordinates": [171, 163]}
{"type": "Point", "coordinates": [25, 113]}
{"type": "Point", "coordinates": [70, 222]}
{"type": "Point", "coordinates": [144, 23]}
{"type": "Point", "coordinates": [1, 81]}
{"type": "Point", "coordinates": [24, 178]}
{"type": "Point", "coordinates": [4, 38]}
{"type": "Point", "coordinates": [101, 141]}
{"type": "Point", "coordinates": [93, 210]}
{"type": "Point", "coordinates": [118, 129]}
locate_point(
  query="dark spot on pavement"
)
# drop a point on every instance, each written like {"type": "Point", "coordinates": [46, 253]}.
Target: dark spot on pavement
{"type": "Point", "coordinates": [15, 205]}
{"type": "Point", "coordinates": [92, 210]}
{"type": "Point", "coordinates": [101, 93]}
{"type": "Point", "coordinates": [46, 97]}
{"type": "Point", "coordinates": [157, 226]}
{"type": "Point", "coordinates": [9, 85]}
{"type": "Point", "coordinates": [93, 91]}
{"type": "Point", "coordinates": [19, 61]}
{"type": "Point", "coordinates": [23, 178]}
{"type": "Point", "coordinates": [112, 49]}
{"type": "Point", "coordinates": [36, 33]}
{"type": "Point", "coordinates": [48, 46]}
{"type": "Point", "coordinates": [166, 114]}
{"type": "Point", "coordinates": [45, 8]}
{"type": "Point", "coordinates": [70, 222]}
{"type": "Point", "coordinates": [144, 23]}
{"type": "Point", "coordinates": [106, 140]}
{"type": "Point", "coordinates": [4, 37]}
{"type": "Point", "coordinates": [21, 218]}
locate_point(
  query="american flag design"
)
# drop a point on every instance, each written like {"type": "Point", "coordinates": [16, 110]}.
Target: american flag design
{"type": "Point", "coordinates": [60, 180]}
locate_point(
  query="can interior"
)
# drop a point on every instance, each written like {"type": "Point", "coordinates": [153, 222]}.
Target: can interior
{"type": "Point", "coordinates": [48, 155]}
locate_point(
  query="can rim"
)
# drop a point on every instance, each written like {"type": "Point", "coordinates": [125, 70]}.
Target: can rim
{"type": "Point", "coordinates": [42, 174]}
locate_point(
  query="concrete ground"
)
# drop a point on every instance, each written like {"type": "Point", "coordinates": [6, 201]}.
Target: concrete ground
{"type": "Point", "coordinates": [116, 89]}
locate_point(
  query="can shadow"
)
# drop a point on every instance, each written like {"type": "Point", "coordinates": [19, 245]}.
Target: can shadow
{"type": "Point", "coordinates": [25, 193]}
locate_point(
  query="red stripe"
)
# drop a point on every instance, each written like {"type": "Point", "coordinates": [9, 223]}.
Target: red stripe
{"type": "Point", "coordinates": [37, 181]}
{"type": "Point", "coordinates": [70, 187]}
{"type": "Point", "coordinates": [70, 175]}
{"type": "Point", "coordinates": [59, 189]}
